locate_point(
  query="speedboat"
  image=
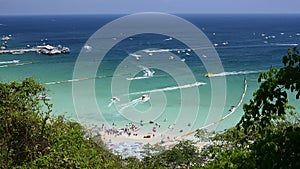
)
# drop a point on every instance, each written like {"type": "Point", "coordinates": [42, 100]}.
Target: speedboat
{"type": "Point", "coordinates": [43, 97]}
{"type": "Point", "coordinates": [209, 75]}
{"type": "Point", "coordinates": [115, 99]}
{"type": "Point", "coordinates": [145, 98]}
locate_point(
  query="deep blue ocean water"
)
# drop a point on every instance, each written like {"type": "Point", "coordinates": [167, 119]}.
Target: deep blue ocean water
{"type": "Point", "coordinates": [255, 43]}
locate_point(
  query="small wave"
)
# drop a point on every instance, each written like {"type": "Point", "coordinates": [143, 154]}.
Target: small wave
{"type": "Point", "coordinates": [4, 66]}
{"type": "Point", "coordinates": [10, 62]}
{"type": "Point", "coordinates": [234, 73]}
{"type": "Point", "coordinates": [285, 44]}
{"type": "Point", "coordinates": [196, 84]}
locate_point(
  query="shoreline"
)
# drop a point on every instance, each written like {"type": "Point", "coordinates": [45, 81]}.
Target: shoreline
{"type": "Point", "coordinates": [133, 145]}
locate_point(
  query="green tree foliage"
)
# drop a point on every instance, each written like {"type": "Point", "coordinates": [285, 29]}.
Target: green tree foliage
{"type": "Point", "coordinates": [182, 155]}
{"type": "Point", "coordinates": [270, 102]}
{"type": "Point", "coordinates": [22, 124]}
{"type": "Point", "coordinates": [265, 137]}
{"type": "Point", "coordinates": [231, 158]}
{"type": "Point", "coordinates": [275, 138]}
{"type": "Point", "coordinates": [30, 138]}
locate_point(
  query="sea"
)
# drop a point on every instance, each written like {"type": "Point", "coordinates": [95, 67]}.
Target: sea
{"type": "Point", "coordinates": [151, 80]}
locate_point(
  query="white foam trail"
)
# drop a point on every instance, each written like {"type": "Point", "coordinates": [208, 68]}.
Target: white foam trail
{"type": "Point", "coordinates": [138, 78]}
{"type": "Point", "coordinates": [113, 100]}
{"type": "Point", "coordinates": [87, 78]}
{"type": "Point", "coordinates": [10, 62]}
{"type": "Point", "coordinates": [147, 74]}
{"type": "Point", "coordinates": [285, 44]}
{"type": "Point", "coordinates": [137, 57]}
{"type": "Point", "coordinates": [139, 100]}
{"type": "Point", "coordinates": [230, 113]}
{"type": "Point", "coordinates": [168, 39]}
{"type": "Point", "coordinates": [16, 64]}
{"type": "Point", "coordinates": [163, 50]}
{"type": "Point", "coordinates": [158, 50]}
{"type": "Point", "coordinates": [130, 104]}
{"type": "Point", "coordinates": [234, 73]}
{"type": "Point", "coordinates": [170, 88]}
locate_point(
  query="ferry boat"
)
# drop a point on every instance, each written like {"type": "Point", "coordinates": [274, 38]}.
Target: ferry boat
{"type": "Point", "coordinates": [5, 38]}
{"type": "Point", "coordinates": [51, 50]}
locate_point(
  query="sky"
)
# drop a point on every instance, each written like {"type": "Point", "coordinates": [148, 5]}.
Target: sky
{"type": "Point", "coordinates": [58, 7]}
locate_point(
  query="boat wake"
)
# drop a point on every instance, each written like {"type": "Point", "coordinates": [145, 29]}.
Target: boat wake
{"type": "Point", "coordinates": [134, 102]}
{"type": "Point", "coordinates": [169, 88]}
{"type": "Point", "coordinates": [232, 73]}
{"type": "Point", "coordinates": [183, 50]}
{"type": "Point", "coordinates": [137, 57]}
{"type": "Point", "coordinates": [87, 78]}
{"type": "Point", "coordinates": [231, 111]}
{"type": "Point", "coordinates": [10, 62]}
{"type": "Point", "coordinates": [14, 63]}
{"type": "Point", "coordinates": [138, 78]}
{"type": "Point", "coordinates": [113, 100]}
{"type": "Point", "coordinates": [145, 97]}
{"type": "Point", "coordinates": [147, 74]}
{"type": "Point", "coordinates": [285, 44]}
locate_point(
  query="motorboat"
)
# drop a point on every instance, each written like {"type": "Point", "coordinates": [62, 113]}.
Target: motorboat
{"type": "Point", "coordinates": [43, 97]}
{"type": "Point", "coordinates": [115, 99]}
{"type": "Point", "coordinates": [145, 98]}
{"type": "Point", "coordinates": [209, 75]}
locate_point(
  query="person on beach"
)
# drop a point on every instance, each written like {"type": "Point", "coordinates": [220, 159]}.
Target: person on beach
{"type": "Point", "coordinates": [154, 129]}
{"type": "Point", "coordinates": [141, 123]}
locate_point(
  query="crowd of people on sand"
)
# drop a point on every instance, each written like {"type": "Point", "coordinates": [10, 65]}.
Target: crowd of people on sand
{"type": "Point", "coordinates": [129, 130]}
{"type": "Point", "coordinates": [132, 130]}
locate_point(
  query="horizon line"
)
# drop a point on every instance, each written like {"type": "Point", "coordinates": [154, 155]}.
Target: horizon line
{"type": "Point", "coordinates": [86, 14]}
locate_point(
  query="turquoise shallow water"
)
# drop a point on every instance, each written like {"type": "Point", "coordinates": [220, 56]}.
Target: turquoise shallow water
{"type": "Point", "coordinates": [255, 43]}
